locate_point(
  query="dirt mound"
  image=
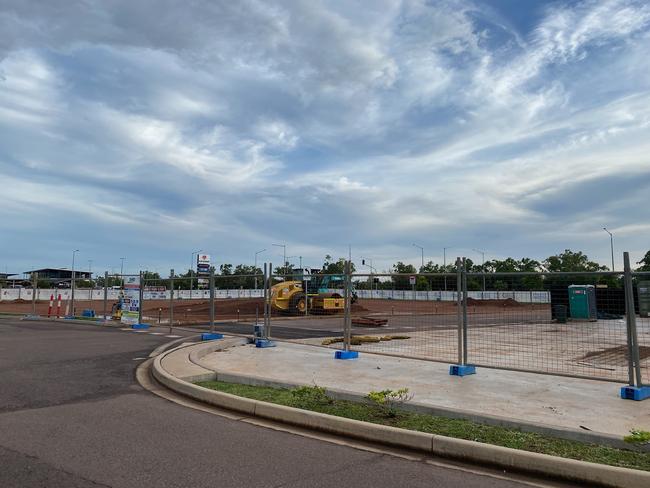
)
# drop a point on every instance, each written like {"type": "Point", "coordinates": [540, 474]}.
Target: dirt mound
{"type": "Point", "coordinates": [245, 306]}
{"type": "Point", "coordinates": [358, 308]}
{"type": "Point", "coordinates": [507, 303]}
{"type": "Point", "coordinates": [19, 300]}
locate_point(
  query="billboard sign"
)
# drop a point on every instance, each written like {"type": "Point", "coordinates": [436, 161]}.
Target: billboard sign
{"type": "Point", "coordinates": [131, 301]}
{"type": "Point", "coordinates": [202, 264]}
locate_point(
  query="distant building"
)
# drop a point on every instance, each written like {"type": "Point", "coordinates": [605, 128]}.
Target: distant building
{"type": "Point", "coordinates": [59, 274]}
{"type": "Point", "coordinates": [4, 276]}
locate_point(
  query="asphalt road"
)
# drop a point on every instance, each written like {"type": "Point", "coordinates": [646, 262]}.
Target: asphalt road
{"type": "Point", "coordinates": [72, 415]}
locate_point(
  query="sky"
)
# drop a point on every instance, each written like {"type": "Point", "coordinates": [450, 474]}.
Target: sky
{"type": "Point", "coordinates": [151, 129]}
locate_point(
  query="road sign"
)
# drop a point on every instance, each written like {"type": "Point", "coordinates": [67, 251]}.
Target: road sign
{"type": "Point", "coordinates": [412, 280]}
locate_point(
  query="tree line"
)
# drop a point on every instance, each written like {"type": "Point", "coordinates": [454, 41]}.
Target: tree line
{"type": "Point", "coordinates": [229, 276]}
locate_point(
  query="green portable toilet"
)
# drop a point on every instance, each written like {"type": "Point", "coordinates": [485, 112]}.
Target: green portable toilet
{"type": "Point", "coordinates": [582, 302]}
{"type": "Point", "coordinates": [644, 298]}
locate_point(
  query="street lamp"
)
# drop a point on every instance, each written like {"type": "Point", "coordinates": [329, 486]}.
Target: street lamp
{"type": "Point", "coordinates": [611, 244]}
{"type": "Point", "coordinates": [72, 282]}
{"type": "Point", "coordinates": [444, 263]}
{"type": "Point", "coordinates": [284, 255]}
{"type": "Point", "coordinates": [422, 250]}
{"type": "Point", "coordinates": [255, 269]}
{"type": "Point", "coordinates": [372, 270]}
{"type": "Point", "coordinates": [192, 267]}
{"type": "Point", "coordinates": [482, 253]}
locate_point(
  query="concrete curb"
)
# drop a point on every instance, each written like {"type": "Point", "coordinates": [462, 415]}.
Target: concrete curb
{"type": "Point", "coordinates": [511, 459]}
{"type": "Point", "coordinates": [592, 437]}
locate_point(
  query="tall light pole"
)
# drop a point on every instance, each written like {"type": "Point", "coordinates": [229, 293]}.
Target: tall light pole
{"type": "Point", "coordinates": [72, 282]}
{"type": "Point", "coordinates": [284, 255]}
{"type": "Point", "coordinates": [372, 271]}
{"type": "Point", "coordinates": [122, 271]}
{"type": "Point", "coordinates": [611, 244]}
{"type": "Point", "coordinates": [192, 267]}
{"type": "Point", "coordinates": [422, 250]}
{"type": "Point", "coordinates": [482, 253]}
{"type": "Point", "coordinates": [444, 263]}
{"type": "Point", "coordinates": [255, 269]}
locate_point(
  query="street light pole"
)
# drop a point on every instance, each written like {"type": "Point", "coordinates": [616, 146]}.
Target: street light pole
{"type": "Point", "coordinates": [482, 253]}
{"type": "Point", "coordinates": [284, 255]}
{"type": "Point", "coordinates": [444, 263]}
{"type": "Point", "coordinates": [422, 250]}
{"type": "Point", "coordinates": [192, 267]}
{"type": "Point", "coordinates": [611, 244]}
{"type": "Point", "coordinates": [72, 283]}
{"type": "Point", "coordinates": [255, 269]}
{"type": "Point", "coordinates": [122, 271]}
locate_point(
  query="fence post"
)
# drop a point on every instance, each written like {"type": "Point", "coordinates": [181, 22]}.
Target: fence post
{"type": "Point", "coordinates": [34, 285]}
{"type": "Point", "coordinates": [211, 299]}
{"type": "Point", "coordinates": [141, 298]}
{"type": "Point", "coordinates": [461, 368]}
{"type": "Point", "coordinates": [635, 390]}
{"type": "Point", "coordinates": [346, 353]}
{"type": "Point", "coordinates": [459, 311]}
{"type": "Point", "coordinates": [105, 294]}
{"type": "Point", "coordinates": [171, 300]}
{"type": "Point", "coordinates": [265, 341]}
{"type": "Point", "coordinates": [465, 295]}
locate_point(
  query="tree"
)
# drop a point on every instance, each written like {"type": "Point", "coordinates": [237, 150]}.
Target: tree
{"type": "Point", "coordinates": [645, 263]}
{"type": "Point", "coordinates": [336, 267]}
{"type": "Point", "coordinates": [570, 261]}
{"type": "Point", "coordinates": [402, 282]}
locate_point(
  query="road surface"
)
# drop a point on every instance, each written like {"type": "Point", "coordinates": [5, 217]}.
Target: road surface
{"type": "Point", "coordinates": [72, 415]}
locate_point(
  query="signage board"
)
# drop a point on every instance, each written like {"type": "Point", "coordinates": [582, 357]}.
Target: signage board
{"type": "Point", "coordinates": [131, 300]}
{"type": "Point", "coordinates": [412, 280]}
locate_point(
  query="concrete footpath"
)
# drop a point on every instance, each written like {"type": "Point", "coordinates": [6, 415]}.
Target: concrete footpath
{"type": "Point", "coordinates": [575, 405]}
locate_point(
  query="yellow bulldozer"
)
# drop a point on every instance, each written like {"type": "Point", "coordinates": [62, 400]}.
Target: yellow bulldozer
{"type": "Point", "coordinates": [324, 294]}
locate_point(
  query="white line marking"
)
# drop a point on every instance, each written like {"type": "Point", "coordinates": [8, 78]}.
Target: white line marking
{"type": "Point", "coordinates": [172, 336]}
{"type": "Point", "coordinates": [156, 333]}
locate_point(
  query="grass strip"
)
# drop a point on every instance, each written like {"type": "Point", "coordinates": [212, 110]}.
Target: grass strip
{"type": "Point", "coordinates": [314, 399]}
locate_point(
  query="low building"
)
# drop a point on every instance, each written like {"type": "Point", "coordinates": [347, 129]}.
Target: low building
{"type": "Point", "coordinates": [62, 274]}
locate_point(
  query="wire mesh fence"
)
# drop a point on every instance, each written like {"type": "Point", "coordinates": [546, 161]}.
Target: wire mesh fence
{"type": "Point", "coordinates": [308, 306]}
{"type": "Point", "coordinates": [576, 326]}
{"type": "Point", "coordinates": [585, 324]}
{"type": "Point", "coordinates": [405, 315]}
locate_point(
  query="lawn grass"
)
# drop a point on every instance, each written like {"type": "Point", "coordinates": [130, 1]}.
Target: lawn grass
{"type": "Point", "coordinates": [313, 398]}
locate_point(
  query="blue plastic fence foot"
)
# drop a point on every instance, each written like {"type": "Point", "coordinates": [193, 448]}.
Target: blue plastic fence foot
{"type": "Point", "coordinates": [211, 336]}
{"type": "Point", "coordinates": [140, 326]}
{"type": "Point", "coordinates": [264, 343]}
{"type": "Point", "coordinates": [637, 393]}
{"type": "Point", "coordinates": [346, 354]}
{"type": "Point", "coordinates": [462, 369]}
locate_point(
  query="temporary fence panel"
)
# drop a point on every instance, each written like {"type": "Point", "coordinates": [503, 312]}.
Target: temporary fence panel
{"type": "Point", "coordinates": [308, 307]}
{"type": "Point", "coordinates": [574, 333]}
{"type": "Point", "coordinates": [405, 315]}
{"type": "Point", "coordinates": [641, 290]}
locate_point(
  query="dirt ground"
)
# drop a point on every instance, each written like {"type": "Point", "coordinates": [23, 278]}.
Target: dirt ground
{"type": "Point", "coordinates": [233, 308]}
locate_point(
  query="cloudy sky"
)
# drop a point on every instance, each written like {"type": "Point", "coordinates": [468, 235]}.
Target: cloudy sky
{"type": "Point", "coordinates": [151, 129]}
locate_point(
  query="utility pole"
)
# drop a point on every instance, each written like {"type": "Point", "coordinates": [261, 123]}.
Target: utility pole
{"type": "Point", "coordinates": [192, 268]}
{"type": "Point", "coordinates": [444, 263]}
{"type": "Point", "coordinates": [122, 271]}
{"type": "Point", "coordinates": [284, 256]}
{"type": "Point", "coordinates": [255, 269]}
{"type": "Point", "coordinates": [422, 250]}
{"type": "Point", "coordinates": [482, 253]}
{"type": "Point", "coordinates": [611, 244]}
{"type": "Point", "coordinates": [72, 283]}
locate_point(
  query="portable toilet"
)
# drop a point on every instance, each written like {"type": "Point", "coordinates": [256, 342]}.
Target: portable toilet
{"type": "Point", "coordinates": [582, 302]}
{"type": "Point", "coordinates": [644, 298]}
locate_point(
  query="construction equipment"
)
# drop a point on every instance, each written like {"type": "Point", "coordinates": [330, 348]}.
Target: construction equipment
{"type": "Point", "coordinates": [116, 308]}
{"type": "Point", "coordinates": [324, 294]}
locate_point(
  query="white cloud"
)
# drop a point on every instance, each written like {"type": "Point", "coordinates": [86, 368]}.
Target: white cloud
{"type": "Point", "coordinates": [232, 121]}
